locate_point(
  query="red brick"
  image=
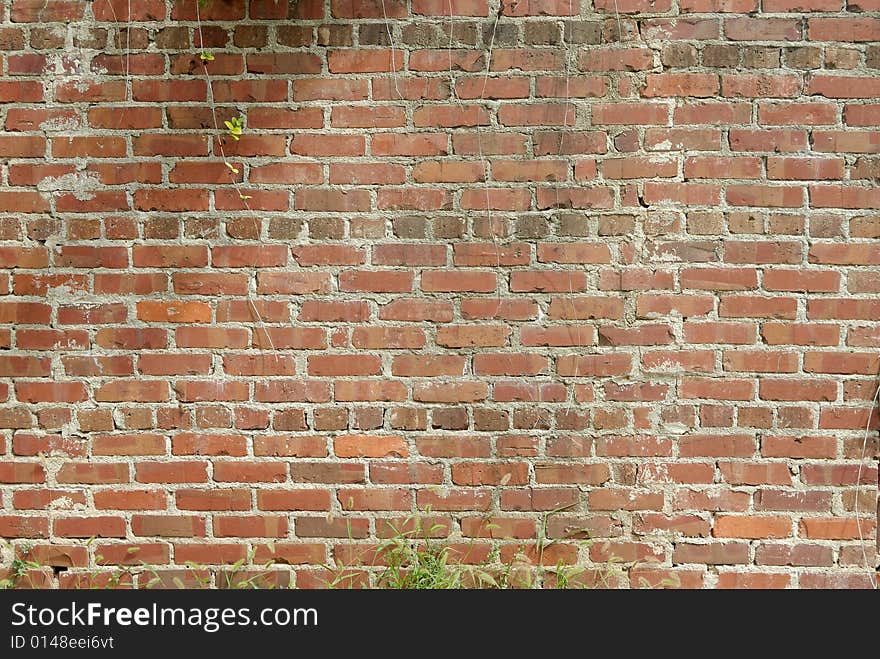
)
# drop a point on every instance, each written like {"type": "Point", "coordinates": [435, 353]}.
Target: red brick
{"type": "Point", "coordinates": [317, 145]}
{"type": "Point", "coordinates": [781, 141]}
{"type": "Point", "coordinates": [840, 86]}
{"type": "Point", "coordinates": [174, 312]}
{"type": "Point", "coordinates": [460, 392]}
{"type": "Point", "coordinates": [42, 392]}
{"type": "Point", "coordinates": [630, 113]}
{"type": "Point", "coordinates": [800, 334]}
{"type": "Point", "coordinates": [459, 336]}
{"type": "Point", "coordinates": [717, 388]}
{"type": "Point", "coordinates": [793, 390]}
{"type": "Point", "coordinates": [752, 527]}
{"type": "Point", "coordinates": [835, 528]}
{"type": "Point", "coordinates": [681, 84]}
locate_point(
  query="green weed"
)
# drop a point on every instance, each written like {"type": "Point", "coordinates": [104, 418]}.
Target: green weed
{"type": "Point", "coordinates": [415, 556]}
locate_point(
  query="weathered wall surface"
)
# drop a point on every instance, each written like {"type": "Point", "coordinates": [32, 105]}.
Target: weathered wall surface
{"type": "Point", "coordinates": [626, 267]}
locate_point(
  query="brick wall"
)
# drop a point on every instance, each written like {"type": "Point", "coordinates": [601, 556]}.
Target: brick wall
{"type": "Point", "coordinates": [626, 266]}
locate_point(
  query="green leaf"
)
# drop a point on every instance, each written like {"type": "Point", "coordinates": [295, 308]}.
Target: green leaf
{"type": "Point", "coordinates": [235, 127]}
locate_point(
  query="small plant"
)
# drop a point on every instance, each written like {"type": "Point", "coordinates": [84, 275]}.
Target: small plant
{"type": "Point", "coordinates": [20, 569]}
{"type": "Point", "coordinates": [231, 576]}
{"type": "Point", "coordinates": [235, 127]}
{"type": "Point", "coordinates": [416, 564]}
